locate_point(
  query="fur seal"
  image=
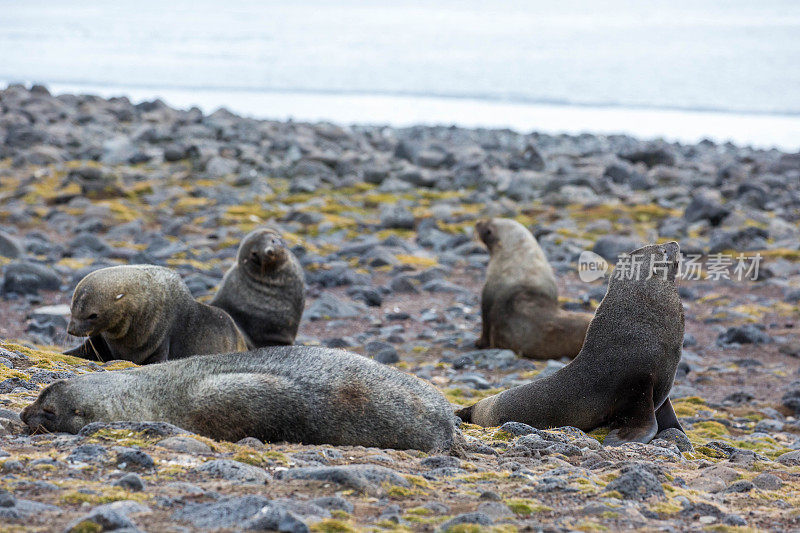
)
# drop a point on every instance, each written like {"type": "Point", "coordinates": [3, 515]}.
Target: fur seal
{"type": "Point", "coordinates": [624, 372]}
{"type": "Point", "coordinates": [264, 291]}
{"type": "Point", "coordinates": [519, 302]}
{"type": "Point", "coordinates": [299, 394]}
{"type": "Point", "coordinates": [145, 314]}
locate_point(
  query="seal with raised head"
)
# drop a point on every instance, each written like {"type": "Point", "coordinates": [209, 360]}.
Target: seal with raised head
{"type": "Point", "coordinates": [519, 302]}
{"type": "Point", "coordinates": [624, 372]}
{"type": "Point", "coordinates": [264, 291]}
{"type": "Point", "coordinates": [146, 314]}
{"type": "Point", "coordinates": [299, 394]}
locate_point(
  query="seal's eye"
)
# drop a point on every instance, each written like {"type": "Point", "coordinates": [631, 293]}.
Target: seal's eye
{"type": "Point", "coordinates": [93, 316]}
{"type": "Point", "coordinates": [77, 412]}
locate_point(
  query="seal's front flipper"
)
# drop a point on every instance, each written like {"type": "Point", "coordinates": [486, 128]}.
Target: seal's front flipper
{"type": "Point", "coordinates": [486, 322]}
{"type": "Point", "coordinates": [635, 421]}
{"type": "Point", "coordinates": [94, 348]}
{"type": "Point", "coordinates": [666, 417]}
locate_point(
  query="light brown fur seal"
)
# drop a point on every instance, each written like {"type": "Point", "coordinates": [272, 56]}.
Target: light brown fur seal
{"type": "Point", "coordinates": [519, 302]}
{"type": "Point", "coordinates": [264, 291]}
{"type": "Point", "coordinates": [624, 372]}
{"type": "Point", "coordinates": [300, 394]}
{"type": "Point", "coordinates": [145, 314]}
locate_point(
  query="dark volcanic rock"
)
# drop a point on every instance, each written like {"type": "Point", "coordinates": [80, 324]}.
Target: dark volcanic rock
{"type": "Point", "coordinates": [704, 207]}
{"type": "Point", "coordinates": [25, 277]}
{"type": "Point", "coordinates": [747, 334]}
{"type": "Point", "coordinates": [132, 458]}
{"type": "Point", "coordinates": [328, 306]}
{"type": "Point", "coordinates": [477, 518]}
{"type": "Point", "coordinates": [791, 398]}
{"type": "Point", "coordinates": [529, 159]}
{"type": "Point", "coordinates": [88, 453]}
{"type": "Point", "coordinates": [9, 246]}
{"type": "Point", "coordinates": [148, 429]}
{"type": "Point", "coordinates": [610, 247]}
{"type": "Point", "coordinates": [224, 513]}
{"type": "Point", "coordinates": [397, 216]}
{"type": "Point", "coordinates": [650, 157]}
{"type": "Point", "coordinates": [383, 352]}
{"type": "Point", "coordinates": [637, 483]}
{"type": "Point", "coordinates": [103, 520]}
{"type": "Point", "coordinates": [234, 471]}
{"type": "Point", "coordinates": [275, 518]}
{"type": "Point", "coordinates": [132, 482]}
{"type": "Point", "coordinates": [361, 478]}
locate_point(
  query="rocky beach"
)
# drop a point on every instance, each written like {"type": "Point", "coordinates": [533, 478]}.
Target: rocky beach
{"type": "Point", "coordinates": [382, 221]}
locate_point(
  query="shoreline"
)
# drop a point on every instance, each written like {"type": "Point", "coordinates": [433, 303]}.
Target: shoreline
{"type": "Point", "coordinates": [759, 131]}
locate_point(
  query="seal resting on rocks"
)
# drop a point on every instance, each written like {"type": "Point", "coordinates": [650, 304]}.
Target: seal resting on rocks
{"type": "Point", "coordinates": [519, 302]}
{"type": "Point", "coordinates": [146, 314]}
{"type": "Point", "coordinates": [264, 291]}
{"type": "Point", "coordinates": [624, 372]}
{"type": "Point", "coordinates": [299, 394]}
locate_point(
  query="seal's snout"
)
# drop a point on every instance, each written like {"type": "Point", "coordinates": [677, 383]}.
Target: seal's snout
{"type": "Point", "coordinates": [32, 418]}
{"type": "Point", "coordinates": [79, 328]}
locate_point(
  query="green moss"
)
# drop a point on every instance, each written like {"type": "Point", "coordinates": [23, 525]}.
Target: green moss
{"type": "Point", "coordinates": [396, 491]}
{"type": "Point", "coordinates": [42, 356]}
{"type": "Point", "coordinates": [417, 481]}
{"type": "Point", "coordinates": [523, 507]}
{"type": "Point", "coordinates": [419, 511]}
{"type": "Point", "coordinates": [600, 433]}
{"type": "Point", "coordinates": [469, 396]}
{"type": "Point", "coordinates": [666, 507]}
{"type": "Point", "coordinates": [587, 525]}
{"type": "Point", "coordinates": [109, 494]}
{"type": "Point", "coordinates": [708, 430]}
{"type": "Point", "coordinates": [86, 526]}
{"type": "Point", "coordinates": [706, 451]}
{"type": "Point", "coordinates": [123, 437]}
{"type": "Point", "coordinates": [484, 476]}
{"type": "Point", "coordinates": [475, 528]}
{"type": "Point", "coordinates": [332, 525]}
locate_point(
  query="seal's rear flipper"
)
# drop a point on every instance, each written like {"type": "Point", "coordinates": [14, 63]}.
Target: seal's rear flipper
{"type": "Point", "coordinates": [465, 414]}
{"type": "Point", "coordinates": [635, 421]}
{"type": "Point", "coordinates": [666, 417]}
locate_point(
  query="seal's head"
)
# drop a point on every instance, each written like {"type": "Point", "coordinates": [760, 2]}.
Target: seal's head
{"type": "Point", "coordinates": [55, 410]}
{"type": "Point", "coordinates": [657, 262]}
{"type": "Point", "coordinates": [100, 301]}
{"type": "Point", "coordinates": [502, 232]}
{"type": "Point", "coordinates": [261, 252]}
{"type": "Point", "coordinates": [486, 233]}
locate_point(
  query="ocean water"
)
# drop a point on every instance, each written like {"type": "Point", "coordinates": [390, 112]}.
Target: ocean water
{"type": "Point", "coordinates": [723, 69]}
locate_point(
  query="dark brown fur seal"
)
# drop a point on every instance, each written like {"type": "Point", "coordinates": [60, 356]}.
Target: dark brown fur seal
{"type": "Point", "coordinates": [624, 372]}
{"type": "Point", "coordinates": [287, 393]}
{"type": "Point", "coordinates": [146, 314]}
{"type": "Point", "coordinates": [519, 302]}
{"type": "Point", "coordinates": [264, 291]}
